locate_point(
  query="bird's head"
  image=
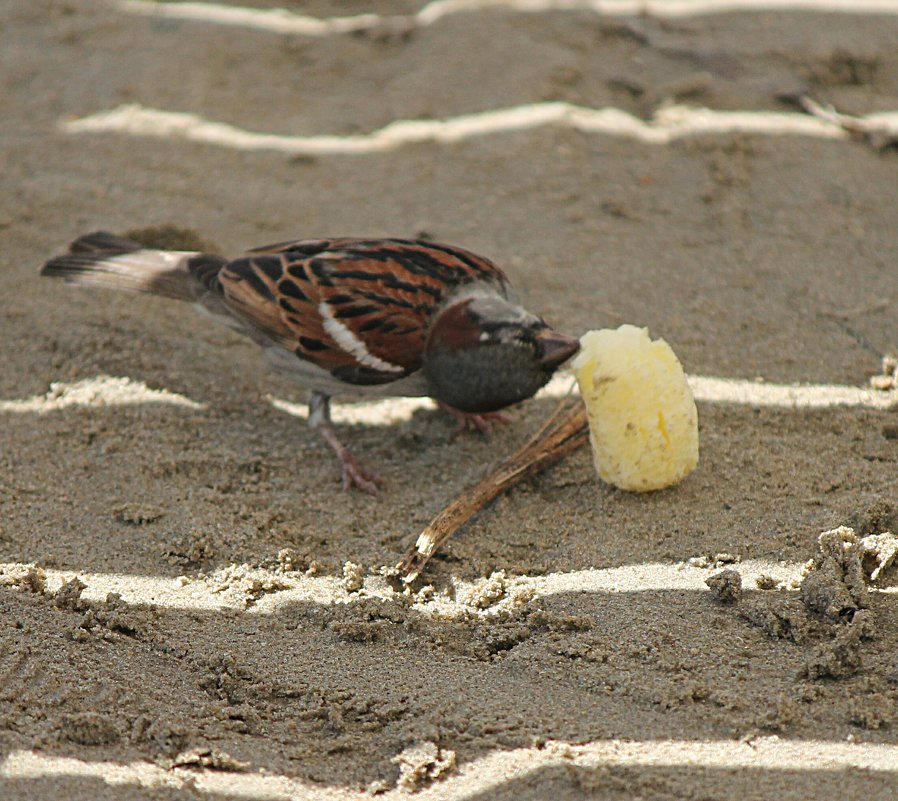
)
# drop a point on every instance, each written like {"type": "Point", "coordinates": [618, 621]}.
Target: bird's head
{"type": "Point", "coordinates": [484, 353]}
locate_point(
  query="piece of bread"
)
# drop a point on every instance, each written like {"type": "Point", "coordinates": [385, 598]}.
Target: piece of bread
{"type": "Point", "coordinates": [643, 424]}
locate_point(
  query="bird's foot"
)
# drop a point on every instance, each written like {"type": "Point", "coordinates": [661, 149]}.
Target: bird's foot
{"type": "Point", "coordinates": [483, 422]}
{"type": "Point", "coordinates": [354, 475]}
{"type": "Point", "coordinates": [351, 472]}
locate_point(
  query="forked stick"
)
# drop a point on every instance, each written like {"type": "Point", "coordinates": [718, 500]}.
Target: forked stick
{"type": "Point", "coordinates": [565, 431]}
{"type": "Point", "coordinates": [879, 135]}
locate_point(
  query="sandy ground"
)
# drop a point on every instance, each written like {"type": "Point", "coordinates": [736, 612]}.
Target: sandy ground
{"type": "Point", "coordinates": [562, 645]}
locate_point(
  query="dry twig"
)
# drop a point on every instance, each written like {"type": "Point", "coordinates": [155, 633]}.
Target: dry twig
{"type": "Point", "coordinates": [565, 431]}
{"type": "Point", "coordinates": [876, 134]}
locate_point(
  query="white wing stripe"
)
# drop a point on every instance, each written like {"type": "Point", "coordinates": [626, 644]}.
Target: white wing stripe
{"type": "Point", "coordinates": [349, 342]}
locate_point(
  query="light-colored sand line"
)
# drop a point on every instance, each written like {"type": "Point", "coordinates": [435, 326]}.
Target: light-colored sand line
{"type": "Point", "coordinates": [102, 390]}
{"type": "Point", "coordinates": [271, 20]}
{"type": "Point", "coordinates": [494, 770]}
{"type": "Point", "coordinates": [117, 391]}
{"type": "Point", "coordinates": [278, 20]}
{"type": "Point", "coordinates": [669, 124]}
{"type": "Point", "coordinates": [789, 396]}
{"type": "Point", "coordinates": [373, 413]}
{"type": "Point", "coordinates": [498, 593]}
{"type": "Point", "coordinates": [264, 591]}
{"type": "Point", "coordinates": [707, 389]}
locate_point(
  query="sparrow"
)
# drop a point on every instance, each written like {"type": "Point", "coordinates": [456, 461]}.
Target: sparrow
{"type": "Point", "coordinates": [352, 317]}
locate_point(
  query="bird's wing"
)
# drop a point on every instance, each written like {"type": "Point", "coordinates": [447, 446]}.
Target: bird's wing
{"type": "Point", "coordinates": [358, 308]}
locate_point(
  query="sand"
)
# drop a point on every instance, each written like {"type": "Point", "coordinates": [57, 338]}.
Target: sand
{"type": "Point", "coordinates": [190, 606]}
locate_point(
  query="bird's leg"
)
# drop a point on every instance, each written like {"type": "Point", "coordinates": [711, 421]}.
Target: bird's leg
{"type": "Point", "coordinates": [353, 474]}
{"type": "Point", "coordinates": [482, 422]}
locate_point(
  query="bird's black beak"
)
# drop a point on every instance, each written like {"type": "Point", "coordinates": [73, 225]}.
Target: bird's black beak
{"type": "Point", "coordinates": [555, 348]}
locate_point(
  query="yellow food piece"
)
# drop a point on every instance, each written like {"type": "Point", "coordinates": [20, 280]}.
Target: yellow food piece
{"type": "Point", "coordinates": [643, 424]}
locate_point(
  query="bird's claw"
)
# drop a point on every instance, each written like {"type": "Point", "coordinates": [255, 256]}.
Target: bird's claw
{"type": "Point", "coordinates": [354, 475]}
{"type": "Point", "coordinates": [482, 422]}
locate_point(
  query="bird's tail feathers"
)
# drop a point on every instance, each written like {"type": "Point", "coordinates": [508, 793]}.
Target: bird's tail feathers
{"type": "Point", "coordinates": [101, 259]}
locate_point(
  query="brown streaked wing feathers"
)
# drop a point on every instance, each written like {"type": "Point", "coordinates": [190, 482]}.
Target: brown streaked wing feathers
{"type": "Point", "coordinates": [251, 287]}
{"type": "Point", "coordinates": [250, 293]}
{"type": "Point", "coordinates": [383, 291]}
